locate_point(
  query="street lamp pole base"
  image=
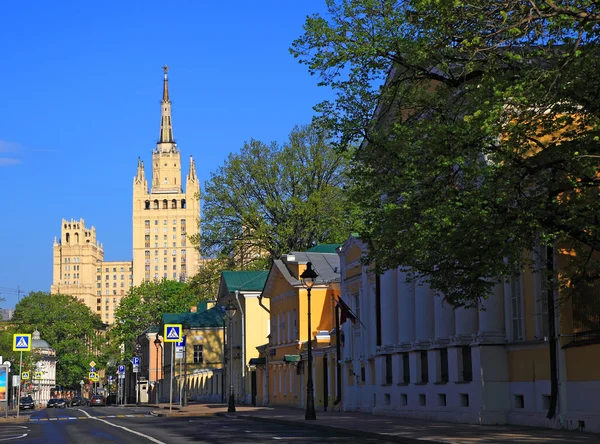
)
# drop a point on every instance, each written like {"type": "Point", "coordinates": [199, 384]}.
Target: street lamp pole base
{"type": "Point", "coordinates": [231, 406]}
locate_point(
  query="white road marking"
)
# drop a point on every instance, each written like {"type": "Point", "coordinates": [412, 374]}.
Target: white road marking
{"type": "Point", "coordinates": [14, 437]}
{"type": "Point", "coordinates": [52, 419]}
{"type": "Point", "coordinates": [148, 437]}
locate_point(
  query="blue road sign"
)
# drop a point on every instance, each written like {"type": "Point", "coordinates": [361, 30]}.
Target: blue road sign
{"type": "Point", "coordinates": [135, 360]}
{"type": "Point", "coordinates": [92, 369]}
{"type": "Point", "coordinates": [21, 342]}
{"type": "Point", "coordinates": [181, 343]}
{"type": "Point", "coordinates": [172, 333]}
{"type": "Point", "coordinates": [110, 378]}
{"type": "Point", "coordinates": [121, 369]}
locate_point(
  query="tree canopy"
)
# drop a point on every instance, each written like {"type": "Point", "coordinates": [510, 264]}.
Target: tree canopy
{"type": "Point", "coordinates": [480, 126]}
{"type": "Point", "coordinates": [69, 327]}
{"type": "Point", "coordinates": [270, 199]}
{"type": "Point", "coordinates": [144, 306]}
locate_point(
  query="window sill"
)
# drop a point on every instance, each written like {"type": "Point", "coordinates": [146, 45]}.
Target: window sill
{"type": "Point", "coordinates": [421, 383]}
{"type": "Point", "coordinates": [462, 382]}
{"type": "Point", "coordinates": [403, 384]}
{"type": "Point", "coordinates": [386, 385]}
{"type": "Point", "coordinates": [440, 383]}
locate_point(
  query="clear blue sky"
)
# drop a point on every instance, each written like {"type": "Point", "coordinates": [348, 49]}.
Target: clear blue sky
{"type": "Point", "coordinates": [81, 88]}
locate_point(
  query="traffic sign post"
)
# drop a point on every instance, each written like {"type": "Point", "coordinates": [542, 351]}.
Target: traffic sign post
{"type": "Point", "coordinates": [172, 333]}
{"type": "Point", "coordinates": [21, 343]}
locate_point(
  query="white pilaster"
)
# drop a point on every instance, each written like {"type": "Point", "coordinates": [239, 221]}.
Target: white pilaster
{"type": "Point", "coordinates": [424, 318]}
{"type": "Point", "coordinates": [444, 320]}
{"type": "Point", "coordinates": [491, 317]}
{"type": "Point", "coordinates": [406, 309]}
{"type": "Point", "coordinates": [389, 307]}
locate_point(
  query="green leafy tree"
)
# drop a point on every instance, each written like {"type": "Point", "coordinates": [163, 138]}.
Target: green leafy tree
{"type": "Point", "coordinates": [481, 127]}
{"type": "Point", "coordinates": [270, 199]}
{"type": "Point", "coordinates": [144, 306]}
{"type": "Point", "coordinates": [69, 327]}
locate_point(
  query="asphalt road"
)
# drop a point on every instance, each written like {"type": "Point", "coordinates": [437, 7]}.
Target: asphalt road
{"type": "Point", "coordinates": [136, 426]}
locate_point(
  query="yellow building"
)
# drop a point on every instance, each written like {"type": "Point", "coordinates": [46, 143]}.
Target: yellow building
{"type": "Point", "coordinates": [79, 270]}
{"type": "Point", "coordinates": [198, 371]}
{"type": "Point", "coordinates": [282, 371]}
{"type": "Point", "coordinates": [414, 356]}
{"type": "Point", "coordinates": [249, 328]}
{"type": "Point", "coordinates": [164, 217]}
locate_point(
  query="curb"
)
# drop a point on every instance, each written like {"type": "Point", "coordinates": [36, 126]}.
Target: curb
{"type": "Point", "coordinates": [329, 428]}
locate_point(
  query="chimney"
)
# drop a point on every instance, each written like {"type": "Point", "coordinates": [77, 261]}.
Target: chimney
{"type": "Point", "coordinates": [193, 309]}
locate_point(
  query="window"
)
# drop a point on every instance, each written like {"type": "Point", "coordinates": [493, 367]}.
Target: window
{"type": "Point", "coordinates": [516, 301]}
{"type": "Point", "coordinates": [156, 222]}
{"type": "Point", "coordinates": [388, 369]}
{"type": "Point", "coordinates": [444, 365]}
{"type": "Point", "coordinates": [197, 354]}
{"type": "Point", "coordinates": [405, 368]}
{"type": "Point", "coordinates": [424, 366]}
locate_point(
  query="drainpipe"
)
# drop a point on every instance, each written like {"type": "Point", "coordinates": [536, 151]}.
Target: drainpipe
{"type": "Point", "coordinates": [552, 333]}
{"type": "Point", "coordinates": [237, 294]}
{"type": "Point", "coordinates": [338, 356]}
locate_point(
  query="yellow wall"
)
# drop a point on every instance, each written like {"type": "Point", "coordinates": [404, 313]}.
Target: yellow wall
{"type": "Point", "coordinates": [583, 363]}
{"type": "Point", "coordinates": [529, 364]}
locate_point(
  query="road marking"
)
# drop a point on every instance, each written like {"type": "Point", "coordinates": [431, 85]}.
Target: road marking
{"type": "Point", "coordinates": [65, 418]}
{"type": "Point", "coordinates": [14, 437]}
{"type": "Point", "coordinates": [148, 437]}
{"type": "Point", "coordinates": [52, 419]}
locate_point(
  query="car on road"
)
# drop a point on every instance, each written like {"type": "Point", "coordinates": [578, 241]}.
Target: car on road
{"type": "Point", "coordinates": [78, 401]}
{"type": "Point", "coordinates": [98, 400]}
{"type": "Point", "coordinates": [61, 403]}
{"type": "Point", "coordinates": [26, 403]}
{"type": "Point", "coordinates": [51, 403]}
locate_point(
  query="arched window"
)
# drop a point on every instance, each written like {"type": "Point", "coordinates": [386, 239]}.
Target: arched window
{"type": "Point", "coordinates": [165, 204]}
{"type": "Point", "coordinates": [174, 203]}
{"type": "Point", "coordinates": [68, 237]}
{"type": "Point", "coordinates": [147, 205]}
{"type": "Point", "coordinates": [182, 203]}
{"type": "Point", "coordinates": [156, 204]}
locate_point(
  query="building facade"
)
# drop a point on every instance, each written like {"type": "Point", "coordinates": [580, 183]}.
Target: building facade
{"type": "Point", "coordinates": [79, 270]}
{"type": "Point", "coordinates": [414, 356]}
{"type": "Point", "coordinates": [282, 368]}
{"type": "Point", "coordinates": [249, 327]}
{"type": "Point", "coordinates": [165, 215]}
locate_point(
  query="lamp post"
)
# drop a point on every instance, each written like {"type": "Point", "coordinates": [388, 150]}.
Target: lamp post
{"type": "Point", "coordinates": [309, 277]}
{"type": "Point", "coordinates": [138, 348]}
{"type": "Point", "coordinates": [157, 344]}
{"type": "Point", "coordinates": [230, 309]}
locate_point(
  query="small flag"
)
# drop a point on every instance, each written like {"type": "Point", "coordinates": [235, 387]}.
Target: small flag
{"type": "Point", "coordinates": [346, 312]}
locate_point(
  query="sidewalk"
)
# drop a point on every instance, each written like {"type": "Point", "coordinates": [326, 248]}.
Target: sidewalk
{"type": "Point", "coordinates": [388, 428]}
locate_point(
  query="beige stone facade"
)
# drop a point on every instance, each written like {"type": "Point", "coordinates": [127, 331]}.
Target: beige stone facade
{"type": "Point", "coordinates": [164, 217]}
{"type": "Point", "coordinates": [79, 270]}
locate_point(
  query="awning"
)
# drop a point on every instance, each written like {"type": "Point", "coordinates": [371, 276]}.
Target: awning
{"type": "Point", "coordinates": [257, 361]}
{"type": "Point", "coordinates": [291, 358]}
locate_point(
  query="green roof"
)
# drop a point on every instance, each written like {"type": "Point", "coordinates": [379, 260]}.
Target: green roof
{"type": "Point", "coordinates": [324, 248]}
{"type": "Point", "coordinates": [245, 280]}
{"type": "Point", "coordinates": [206, 319]}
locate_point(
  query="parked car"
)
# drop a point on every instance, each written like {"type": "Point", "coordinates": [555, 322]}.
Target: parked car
{"type": "Point", "coordinates": [26, 403]}
{"type": "Point", "coordinates": [98, 400]}
{"type": "Point", "coordinates": [61, 403]}
{"type": "Point", "coordinates": [78, 401]}
{"type": "Point", "coordinates": [51, 403]}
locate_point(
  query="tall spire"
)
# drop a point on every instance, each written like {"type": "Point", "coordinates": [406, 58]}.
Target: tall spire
{"type": "Point", "coordinates": [192, 174]}
{"type": "Point", "coordinates": [166, 141]}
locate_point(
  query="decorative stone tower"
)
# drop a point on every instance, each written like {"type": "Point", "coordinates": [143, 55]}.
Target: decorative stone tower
{"type": "Point", "coordinates": [166, 215]}
{"type": "Point", "coordinates": [45, 367]}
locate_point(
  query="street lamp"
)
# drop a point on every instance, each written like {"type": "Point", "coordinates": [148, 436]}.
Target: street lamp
{"type": "Point", "coordinates": [138, 348]}
{"type": "Point", "coordinates": [157, 344]}
{"type": "Point", "coordinates": [309, 277]}
{"type": "Point", "coordinates": [230, 310]}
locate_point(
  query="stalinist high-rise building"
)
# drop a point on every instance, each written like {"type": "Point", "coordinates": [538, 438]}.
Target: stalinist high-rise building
{"type": "Point", "coordinates": [164, 217]}
{"type": "Point", "coordinates": [167, 214]}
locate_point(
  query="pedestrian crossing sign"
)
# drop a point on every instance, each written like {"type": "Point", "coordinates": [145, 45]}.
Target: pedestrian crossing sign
{"type": "Point", "coordinates": [37, 375]}
{"type": "Point", "coordinates": [21, 342]}
{"type": "Point", "coordinates": [93, 376]}
{"type": "Point", "coordinates": [25, 376]}
{"type": "Point", "coordinates": [172, 333]}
